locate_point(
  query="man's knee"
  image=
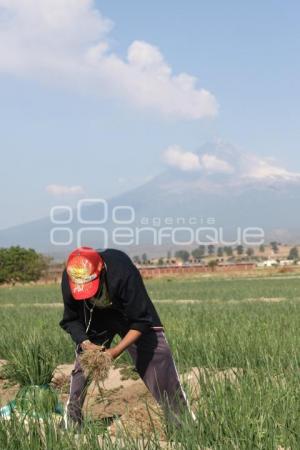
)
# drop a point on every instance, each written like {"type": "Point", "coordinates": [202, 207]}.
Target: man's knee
{"type": "Point", "coordinates": [76, 371]}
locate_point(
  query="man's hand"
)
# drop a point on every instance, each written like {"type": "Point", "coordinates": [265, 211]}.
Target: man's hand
{"type": "Point", "coordinates": [130, 338]}
{"type": "Point", "coordinates": [113, 352]}
{"type": "Point", "coordinates": [88, 345]}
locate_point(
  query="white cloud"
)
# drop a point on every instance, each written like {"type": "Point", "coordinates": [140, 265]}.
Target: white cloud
{"type": "Point", "coordinates": [258, 168]}
{"type": "Point", "coordinates": [66, 42]}
{"type": "Point", "coordinates": [175, 156]}
{"type": "Point", "coordinates": [227, 159]}
{"type": "Point", "coordinates": [213, 164]}
{"type": "Point", "coordinates": [59, 189]}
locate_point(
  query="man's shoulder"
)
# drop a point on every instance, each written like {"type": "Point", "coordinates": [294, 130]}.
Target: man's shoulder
{"type": "Point", "coordinates": [114, 254]}
{"type": "Point", "coordinates": [115, 259]}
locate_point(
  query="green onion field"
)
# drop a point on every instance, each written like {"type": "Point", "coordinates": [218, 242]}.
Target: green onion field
{"type": "Point", "coordinates": [250, 325]}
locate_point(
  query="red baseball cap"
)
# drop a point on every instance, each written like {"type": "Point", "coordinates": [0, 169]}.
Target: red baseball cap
{"type": "Point", "coordinates": [84, 266]}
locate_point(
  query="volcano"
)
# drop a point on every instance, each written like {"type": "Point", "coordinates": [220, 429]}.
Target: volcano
{"type": "Point", "coordinates": [219, 185]}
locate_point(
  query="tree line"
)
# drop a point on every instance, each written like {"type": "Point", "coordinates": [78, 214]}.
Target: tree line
{"type": "Point", "coordinates": [22, 265]}
{"type": "Point", "coordinates": [203, 251]}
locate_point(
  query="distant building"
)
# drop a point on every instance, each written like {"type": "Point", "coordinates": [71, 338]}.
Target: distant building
{"type": "Point", "coordinates": [268, 263]}
{"type": "Point", "coordinates": [286, 262]}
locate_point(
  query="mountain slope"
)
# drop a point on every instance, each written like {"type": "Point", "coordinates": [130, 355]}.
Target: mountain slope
{"type": "Point", "coordinates": [235, 188]}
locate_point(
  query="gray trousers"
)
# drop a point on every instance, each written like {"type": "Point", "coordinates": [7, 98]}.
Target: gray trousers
{"type": "Point", "coordinates": [153, 360]}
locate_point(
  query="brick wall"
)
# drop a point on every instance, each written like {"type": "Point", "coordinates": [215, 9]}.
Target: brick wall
{"type": "Point", "coordinates": [54, 274]}
{"type": "Point", "coordinates": [161, 271]}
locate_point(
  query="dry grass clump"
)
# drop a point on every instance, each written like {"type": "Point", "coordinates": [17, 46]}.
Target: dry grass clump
{"type": "Point", "coordinates": [96, 364]}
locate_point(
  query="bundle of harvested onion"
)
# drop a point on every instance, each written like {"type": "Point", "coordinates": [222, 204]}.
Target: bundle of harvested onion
{"type": "Point", "coordinates": [96, 364]}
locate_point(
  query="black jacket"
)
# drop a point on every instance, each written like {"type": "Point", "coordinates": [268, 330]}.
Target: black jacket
{"type": "Point", "coordinates": [131, 306]}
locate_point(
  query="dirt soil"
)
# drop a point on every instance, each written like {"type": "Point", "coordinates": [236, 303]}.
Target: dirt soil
{"type": "Point", "coordinates": [125, 403]}
{"type": "Point", "coordinates": [116, 398]}
{"type": "Point", "coordinates": [7, 391]}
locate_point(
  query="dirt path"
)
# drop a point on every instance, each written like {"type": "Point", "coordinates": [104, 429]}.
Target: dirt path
{"type": "Point", "coordinates": [230, 301]}
{"type": "Point", "coordinates": [37, 305]}
{"type": "Point", "coordinates": [162, 301]}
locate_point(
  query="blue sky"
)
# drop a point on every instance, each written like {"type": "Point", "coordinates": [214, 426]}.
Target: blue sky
{"type": "Point", "coordinates": [73, 121]}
